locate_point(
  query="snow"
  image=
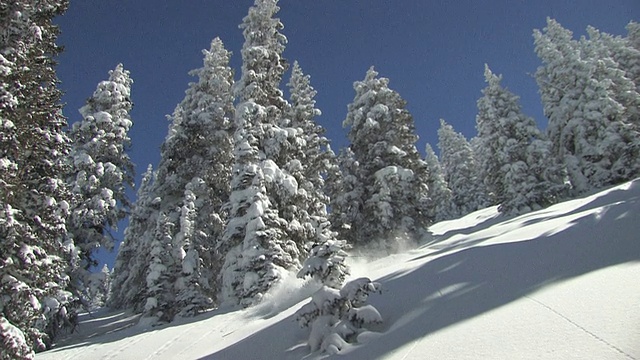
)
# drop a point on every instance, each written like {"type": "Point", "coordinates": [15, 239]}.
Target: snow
{"type": "Point", "coordinates": [559, 283]}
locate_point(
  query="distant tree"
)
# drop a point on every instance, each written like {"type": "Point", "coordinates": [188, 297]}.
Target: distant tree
{"type": "Point", "coordinates": [255, 242]}
{"type": "Point", "coordinates": [34, 199]}
{"type": "Point", "coordinates": [100, 171]}
{"type": "Point", "coordinates": [460, 171]}
{"type": "Point", "coordinates": [392, 173]}
{"type": "Point", "coordinates": [591, 107]}
{"type": "Point", "coordinates": [439, 192]}
{"type": "Point", "coordinates": [507, 138]}
{"type": "Point", "coordinates": [633, 34]}
{"type": "Point", "coordinates": [346, 196]}
{"type": "Point", "coordinates": [98, 285]}
{"type": "Point", "coordinates": [128, 278]}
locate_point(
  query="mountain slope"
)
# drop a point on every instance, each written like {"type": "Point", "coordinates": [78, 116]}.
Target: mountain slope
{"type": "Point", "coordinates": [561, 282]}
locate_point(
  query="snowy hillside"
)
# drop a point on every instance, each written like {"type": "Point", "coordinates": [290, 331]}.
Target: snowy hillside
{"type": "Point", "coordinates": [560, 283]}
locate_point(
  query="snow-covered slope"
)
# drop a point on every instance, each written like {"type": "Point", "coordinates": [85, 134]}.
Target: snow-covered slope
{"type": "Point", "coordinates": [560, 283]}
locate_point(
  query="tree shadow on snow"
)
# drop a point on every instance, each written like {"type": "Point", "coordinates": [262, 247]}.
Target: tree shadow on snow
{"type": "Point", "coordinates": [461, 285]}
{"type": "Point", "coordinates": [107, 326]}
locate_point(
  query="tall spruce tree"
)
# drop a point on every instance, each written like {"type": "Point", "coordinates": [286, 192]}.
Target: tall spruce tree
{"type": "Point", "coordinates": [460, 171]}
{"type": "Point", "coordinates": [312, 161]}
{"type": "Point", "coordinates": [179, 264]}
{"type": "Point", "coordinates": [100, 171]}
{"type": "Point", "coordinates": [507, 139]}
{"type": "Point", "coordinates": [34, 199]}
{"type": "Point", "coordinates": [591, 107]}
{"type": "Point", "coordinates": [255, 244]}
{"type": "Point", "coordinates": [392, 173]}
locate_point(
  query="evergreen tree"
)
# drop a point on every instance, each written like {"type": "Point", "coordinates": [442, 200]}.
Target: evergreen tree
{"type": "Point", "coordinates": [179, 268]}
{"type": "Point", "coordinates": [506, 138]}
{"type": "Point", "coordinates": [34, 200]}
{"type": "Point", "coordinates": [392, 173]}
{"type": "Point", "coordinates": [312, 160]}
{"type": "Point", "coordinates": [128, 279]}
{"type": "Point", "coordinates": [591, 107]}
{"type": "Point", "coordinates": [439, 192]}
{"type": "Point", "coordinates": [346, 196]}
{"type": "Point", "coordinates": [254, 243]}
{"type": "Point", "coordinates": [100, 170]}
{"type": "Point", "coordinates": [460, 171]}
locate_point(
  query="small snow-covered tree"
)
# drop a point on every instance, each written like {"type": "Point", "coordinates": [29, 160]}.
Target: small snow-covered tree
{"type": "Point", "coordinates": [506, 139]}
{"type": "Point", "coordinates": [326, 263]}
{"type": "Point", "coordinates": [460, 171]}
{"type": "Point", "coordinates": [100, 171]}
{"type": "Point", "coordinates": [439, 192]}
{"type": "Point", "coordinates": [34, 199]}
{"type": "Point", "coordinates": [98, 285]}
{"type": "Point", "coordinates": [336, 317]}
{"type": "Point", "coordinates": [392, 172]}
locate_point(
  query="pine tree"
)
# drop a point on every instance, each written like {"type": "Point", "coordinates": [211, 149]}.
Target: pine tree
{"type": "Point", "coordinates": [254, 243]}
{"type": "Point", "coordinates": [439, 192]}
{"type": "Point", "coordinates": [346, 196]}
{"type": "Point", "coordinates": [392, 172]}
{"type": "Point", "coordinates": [34, 199]}
{"type": "Point", "coordinates": [128, 280]}
{"type": "Point", "coordinates": [186, 197]}
{"type": "Point", "coordinates": [311, 161]}
{"type": "Point", "coordinates": [460, 171]}
{"type": "Point", "coordinates": [100, 171]}
{"type": "Point", "coordinates": [506, 138]}
{"type": "Point", "coordinates": [591, 107]}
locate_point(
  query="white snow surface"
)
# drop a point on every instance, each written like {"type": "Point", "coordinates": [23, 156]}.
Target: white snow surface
{"type": "Point", "coordinates": [559, 283]}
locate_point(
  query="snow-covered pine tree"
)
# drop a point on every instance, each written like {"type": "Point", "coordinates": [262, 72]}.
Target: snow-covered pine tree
{"type": "Point", "coordinates": [97, 287]}
{"type": "Point", "coordinates": [346, 196]}
{"type": "Point", "coordinates": [312, 160]}
{"type": "Point", "coordinates": [506, 138]}
{"type": "Point", "coordinates": [460, 171]}
{"type": "Point", "coordinates": [100, 171]}
{"type": "Point", "coordinates": [618, 52]}
{"type": "Point", "coordinates": [180, 264]}
{"type": "Point", "coordinates": [591, 107]}
{"type": "Point", "coordinates": [337, 316]}
{"type": "Point", "coordinates": [633, 34]}
{"type": "Point", "coordinates": [255, 244]}
{"type": "Point", "coordinates": [392, 173]}
{"type": "Point", "coordinates": [128, 279]}
{"type": "Point", "coordinates": [439, 192]}
{"type": "Point", "coordinates": [34, 199]}
{"type": "Point", "coordinates": [326, 263]}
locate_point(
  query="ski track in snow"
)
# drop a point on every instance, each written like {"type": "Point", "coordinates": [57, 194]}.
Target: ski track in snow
{"type": "Point", "coordinates": [598, 338]}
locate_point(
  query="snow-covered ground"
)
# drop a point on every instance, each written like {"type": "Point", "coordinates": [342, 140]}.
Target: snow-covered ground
{"type": "Point", "coordinates": [560, 283]}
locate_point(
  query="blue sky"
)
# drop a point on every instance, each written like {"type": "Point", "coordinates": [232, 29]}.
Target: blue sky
{"type": "Point", "coordinates": [433, 52]}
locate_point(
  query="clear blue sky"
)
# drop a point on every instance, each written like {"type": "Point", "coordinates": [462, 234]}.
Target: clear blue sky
{"type": "Point", "coordinates": [433, 52]}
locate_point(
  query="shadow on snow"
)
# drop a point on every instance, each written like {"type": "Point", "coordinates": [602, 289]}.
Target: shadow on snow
{"type": "Point", "coordinates": [464, 284]}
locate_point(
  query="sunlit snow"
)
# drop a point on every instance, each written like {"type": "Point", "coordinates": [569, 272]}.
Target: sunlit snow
{"type": "Point", "coordinates": [559, 283]}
